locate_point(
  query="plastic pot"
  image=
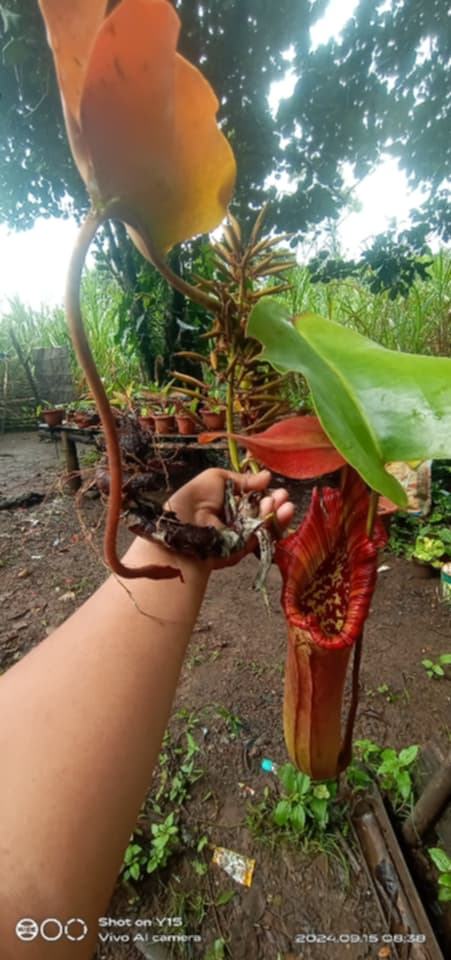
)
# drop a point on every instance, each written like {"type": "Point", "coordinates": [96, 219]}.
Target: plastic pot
{"type": "Point", "coordinates": [185, 424]}
{"type": "Point", "coordinates": [164, 423]}
{"type": "Point", "coordinates": [147, 423]}
{"type": "Point", "coordinates": [214, 420]}
{"type": "Point", "coordinates": [53, 417]}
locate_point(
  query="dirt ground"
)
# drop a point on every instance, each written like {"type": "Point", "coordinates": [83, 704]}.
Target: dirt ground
{"type": "Point", "coordinates": [230, 699]}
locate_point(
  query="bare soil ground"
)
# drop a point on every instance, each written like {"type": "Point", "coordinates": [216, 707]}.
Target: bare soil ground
{"type": "Point", "coordinates": [230, 698]}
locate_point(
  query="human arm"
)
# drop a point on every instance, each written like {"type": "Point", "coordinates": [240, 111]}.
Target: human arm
{"type": "Point", "coordinates": [81, 721]}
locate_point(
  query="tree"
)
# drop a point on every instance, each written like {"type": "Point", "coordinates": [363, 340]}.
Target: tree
{"type": "Point", "coordinates": [379, 88]}
{"type": "Point", "coordinates": [383, 87]}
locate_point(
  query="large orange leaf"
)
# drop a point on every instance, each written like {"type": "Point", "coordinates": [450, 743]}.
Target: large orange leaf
{"type": "Point", "coordinates": [141, 119]}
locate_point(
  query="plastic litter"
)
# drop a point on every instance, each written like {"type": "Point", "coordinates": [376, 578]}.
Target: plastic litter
{"type": "Point", "coordinates": [245, 789]}
{"type": "Point", "coordinates": [269, 766]}
{"type": "Point", "coordinates": [239, 867]}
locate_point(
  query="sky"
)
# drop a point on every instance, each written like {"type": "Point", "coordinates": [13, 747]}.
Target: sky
{"type": "Point", "coordinates": [34, 263]}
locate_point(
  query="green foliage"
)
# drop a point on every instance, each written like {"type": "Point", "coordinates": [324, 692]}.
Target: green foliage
{"type": "Point", "coordinates": [443, 863]}
{"type": "Point", "coordinates": [408, 531]}
{"type": "Point", "coordinates": [434, 669]}
{"type": "Point", "coordinates": [376, 405]}
{"type": "Point", "coordinates": [305, 813]}
{"type": "Point", "coordinates": [392, 264]}
{"type": "Point", "coordinates": [380, 85]}
{"type": "Point", "coordinates": [116, 359]}
{"type": "Point", "coordinates": [150, 850]}
{"type": "Point", "coordinates": [417, 322]}
{"type": "Point", "coordinates": [233, 723]}
{"type": "Point", "coordinates": [392, 769]}
{"type": "Point", "coordinates": [216, 950]}
{"type": "Point", "coordinates": [304, 808]}
{"type": "Point", "coordinates": [138, 860]}
{"type": "Point", "coordinates": [429, 550]}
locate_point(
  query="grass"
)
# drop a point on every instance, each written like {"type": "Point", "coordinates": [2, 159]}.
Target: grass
{"type": "Point", "coordinates": [417, 323]}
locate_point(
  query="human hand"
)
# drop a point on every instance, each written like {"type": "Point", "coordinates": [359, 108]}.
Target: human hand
{"type": "Point", "coordinates": [201, 502]}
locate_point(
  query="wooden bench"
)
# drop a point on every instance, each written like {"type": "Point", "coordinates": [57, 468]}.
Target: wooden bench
{"type": "Point", "coordinates": [70, 435]}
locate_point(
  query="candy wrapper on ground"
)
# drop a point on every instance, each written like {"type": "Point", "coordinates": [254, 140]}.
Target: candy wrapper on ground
{"type": "Point", "coordinates": [239, 867]}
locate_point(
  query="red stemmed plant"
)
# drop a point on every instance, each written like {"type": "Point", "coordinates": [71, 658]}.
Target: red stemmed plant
{"type": "Point", "coordinates": [141, 122]}
{"type": "Point", "coordinates": [142, 125]}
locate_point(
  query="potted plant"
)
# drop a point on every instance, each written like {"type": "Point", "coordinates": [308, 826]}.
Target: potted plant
{"type": "Point", "coordinates": [146, 419]}
{"type": "Point", "coordinates": [213, 412]}
{"type": "Point", "coordinates": [52, 415]}
{"type": "Point", "coordinates": [428, 555]}
{"type": "Point", "coordinates": [85, 414]}
{"type": "Point", "coordinates": [164, 418]}
{"type": "Point", "coordinates": [185, 417]}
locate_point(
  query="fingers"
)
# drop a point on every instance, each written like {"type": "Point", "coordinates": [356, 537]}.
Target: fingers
{"type": "Point", "coordinates": [248, 481]}
{"type": "Point", "coordinates": [279, 504]}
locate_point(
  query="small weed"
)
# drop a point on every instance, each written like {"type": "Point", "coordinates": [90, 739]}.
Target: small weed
{"type": "Point", "coordinates": [392, 769]}
{"type": "Point", "coordinates": [305, 806]}
{"type": "Point", "coordinates": [443, 863]}
{"type": "Point", "coordinates": [435, 669]}
{"type": "Point", "coordinates": [216, 950]}
{"type": "Point", "coordinates": [138, 860]}
{"type": "Point", "coordinates": [303, 813]}
{"type": "Point", "coordinates": [407, 533]}
{"type": "Point", "coordinates": [233, 723]}
{"type": "Point", "coordinates": [90, 458]}
{"type": "Point", "coordinates": [389, 695]}
{"type": "Point", "coordinates": [177, 771]}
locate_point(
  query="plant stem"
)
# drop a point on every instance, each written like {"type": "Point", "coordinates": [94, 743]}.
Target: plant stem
{"type": "Point", "coordinates": [233, 449]}
{"type": "Point", "coordinates": [372, 513]}
{"type": "Point", "coordinates": [193, 293]}
{"type": "Point", "coordinates": [87, 232]}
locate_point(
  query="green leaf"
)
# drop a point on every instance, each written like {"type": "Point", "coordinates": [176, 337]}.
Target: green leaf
{"type": "Point", "coordinates": [135, 871]}
{"type": "Point", "coordinates": [404, 784]}
{"type": "Point", "coordinates": [445, 658]}
{"type": "Point", "coordinates": [376, 405]}
{"type": "Point", "coordinates": [297, 817]}
{"type": "Point", "coordinates": [389, 761]}
{"type": "Point", "coordinates": [445, 880]}
{"type": "Point", "coordinates": [440, 858]}
{"type": "Point", "coordinates": [282, 813]}
{"type": "Point", "coordinates": [320, 811]}
{"type": "Point", "coordinates": [287, 774]}
{"type": "Point", "coordinates": [225, 897]}
{"type": "Point", "coordinates": [303, 782]}
{"type": "Point", "coordinates": [408, 755]}
{"type": "Point", "coordinates": [321, 791]}
{"type": "Point", "coordinates": [444, 894]}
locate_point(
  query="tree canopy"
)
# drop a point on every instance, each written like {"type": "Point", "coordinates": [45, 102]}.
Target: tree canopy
{"type": "Point", "coordinates": [380, 87]}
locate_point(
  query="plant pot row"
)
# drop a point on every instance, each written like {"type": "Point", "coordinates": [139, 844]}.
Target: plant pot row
{"type": "Point", "coordinates": [183, 423]}
{"type": "Point", "coordinates": [160, 422]}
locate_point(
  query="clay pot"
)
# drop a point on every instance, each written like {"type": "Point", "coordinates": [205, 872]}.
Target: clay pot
{"type": "Point", "coordinates": [164, 423]}
{"type": "Point", "coordinates": [84, 420]}
{"type": "Point", "coordinates": [53, 417]}
{"type": "Point", "coordinates": [147, 423]}
{"type": "Point", "coordinates": [214, 421]}
{"type": "Point", "coordinates": [185, 424]}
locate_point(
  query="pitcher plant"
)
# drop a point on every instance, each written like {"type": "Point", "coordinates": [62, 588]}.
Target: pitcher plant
{"type": "Point", "coordinates": [142, 126]}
